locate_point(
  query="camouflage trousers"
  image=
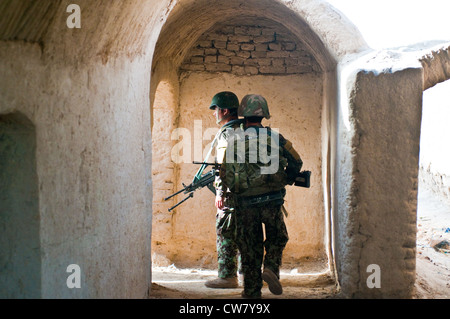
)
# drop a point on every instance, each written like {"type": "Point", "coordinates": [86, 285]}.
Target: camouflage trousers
{"type": "Point", "coordinates": [228, 258]}
{"type": "Point", "coordinates": [251, 243]}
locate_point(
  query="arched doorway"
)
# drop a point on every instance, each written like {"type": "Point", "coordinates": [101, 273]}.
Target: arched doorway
{"type": "Point", "coordinates": [295, 72]}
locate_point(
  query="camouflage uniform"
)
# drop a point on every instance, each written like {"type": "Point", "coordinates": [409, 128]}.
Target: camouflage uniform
{"type": "Point", "coordinates": [250, 217]}
{"type": "Point", "coordinates": [227, 250]}
{"type": "Point", "coordinates": [249, 235]}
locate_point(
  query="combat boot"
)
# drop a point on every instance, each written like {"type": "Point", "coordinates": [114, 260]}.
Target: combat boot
{"type": "Point", "coordinates": [223, 283]}
{"type": "Point", "coordinates": [273, 281]}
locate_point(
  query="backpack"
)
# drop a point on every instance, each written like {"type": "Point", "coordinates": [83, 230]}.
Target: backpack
{"type": "Point", "coordinates": [254, 163]}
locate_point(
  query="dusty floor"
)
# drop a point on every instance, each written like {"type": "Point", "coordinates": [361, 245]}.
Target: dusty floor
{"type": "Point", "coordinates": [169, 282]}
{"type": "Point", "coordinates": [312, 282]}
{"type": "Point", "coordinates": [433, 265]}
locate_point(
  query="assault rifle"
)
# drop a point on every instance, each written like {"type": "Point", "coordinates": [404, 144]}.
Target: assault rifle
{"type": "Point", "coordinates": [206, 179]}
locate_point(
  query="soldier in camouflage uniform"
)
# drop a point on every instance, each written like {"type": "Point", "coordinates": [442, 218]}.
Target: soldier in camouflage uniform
{"type": "Point", "coordinates": [251, 216]}
{"type": "Point", "coordinates": [225, 105]}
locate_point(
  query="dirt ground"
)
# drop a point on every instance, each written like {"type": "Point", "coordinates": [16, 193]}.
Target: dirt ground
{"type": "Point", "coordinates": [172, 283]}
{"type": "Point", "coordinates": [432, 264]}
{"type": "Point", "coordinates": [314, 282]}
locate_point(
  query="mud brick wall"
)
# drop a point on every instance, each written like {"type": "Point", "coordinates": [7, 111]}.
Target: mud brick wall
{"type": "Point", "coordinates": [250, 50]}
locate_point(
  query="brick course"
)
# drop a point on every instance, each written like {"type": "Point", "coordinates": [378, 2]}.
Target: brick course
{"type": "Point", "coordinates": [250, 50]}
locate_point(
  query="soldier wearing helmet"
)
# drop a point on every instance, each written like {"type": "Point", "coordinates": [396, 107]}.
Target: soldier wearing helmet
{"type": "Point", "coordinates": [254, 107]}
{"type": "Point", "coordinates": [225, 105]}
{"type": "Point", "coordinates": [265, 207]}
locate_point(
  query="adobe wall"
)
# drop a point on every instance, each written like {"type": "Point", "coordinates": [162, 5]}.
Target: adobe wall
{"type": "Point", "coordinates": [88, 93]}
{"type": "Point", "coordinates": [375, 221]}
{"type": "Point", "coordinates": [92, 198]}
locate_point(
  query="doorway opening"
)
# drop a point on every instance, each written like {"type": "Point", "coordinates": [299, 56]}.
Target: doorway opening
{"type": "Point", "coordinates": [20, 260]}
{"type": "Point", "coordinates": [433, 213]}
{"type": "Point", "coordinates": [246, 54]}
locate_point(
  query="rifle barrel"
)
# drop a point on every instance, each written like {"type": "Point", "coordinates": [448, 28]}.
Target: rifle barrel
{"type": "Point", "coordinates": [175, 194]}
{"type": "Point", "coordinates": [205, 163]}
{"type": "Point", "coordinates": [175, 206]}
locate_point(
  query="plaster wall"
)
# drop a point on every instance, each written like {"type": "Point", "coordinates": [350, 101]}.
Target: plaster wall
{"type": "Point", "coordinates": [377, 175]}
{"type": "Point", "coordinates": [92, 199]}
{"type": "Point", "coordinates": [87, 93]}
{"type": "Point", "coordinates": [165, 116]}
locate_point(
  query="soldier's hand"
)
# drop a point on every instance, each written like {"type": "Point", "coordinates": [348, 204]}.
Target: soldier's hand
{"type": "Point", "coordinates": [219, 202]}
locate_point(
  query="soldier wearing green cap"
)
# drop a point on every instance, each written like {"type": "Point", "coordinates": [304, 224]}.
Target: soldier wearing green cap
{"type": "Point", "coordinates": [260, 202]}
{"type": "Point", "coordinates": [225, 105]}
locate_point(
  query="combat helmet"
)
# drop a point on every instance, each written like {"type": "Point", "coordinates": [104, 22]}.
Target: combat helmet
{"type": "Point", "coordinates": [225, 100]}
{"type": "Point", "coordinates": [254, 105]}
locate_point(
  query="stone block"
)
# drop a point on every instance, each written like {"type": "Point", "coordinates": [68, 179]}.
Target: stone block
{"type": "Point", "coordinates": [264, 62]}
{"type": "Point", "coordinates": [244, 54]}
{"type": "Point", "coordinates": [275, 46]}
{"type": "Point", "coordinates": [259, 54]}
{"type": "Point", "coordinates": [240, 38]}
{"type": "Point", "coordinates": [264, 39]}
{"type": "Point", "coordinates": [278, 63]}
{"type": "Point", "coordinates": [247, 47]}
{"type": "Point", "coordinates": [210, 59]}
{"type": "Point", "coordinates": [261, 47]}
{"type": "Point", "coordinates": [220, 44]}
{"type": "Point", "coordinates": [232, 47]}
{"type": "Point", "coordinates": [196, 60]}
{"type": "Point", "coordinates": [223, 59]}
{"type": "Point", "coordinates": [235, 60]}
{"type": "Point", "coordinates": [251, 62]}
{"type": "Point", "coordinates": [289, 46]}
{"type": "Point", "coordinates": [227, 52]}
{"type": "Point", "coordinates": [210, 51]}
{"type": "Point", "coordinates": [251, 70]}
